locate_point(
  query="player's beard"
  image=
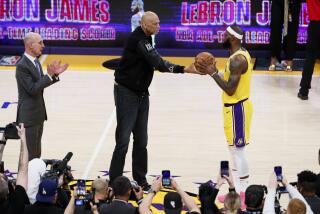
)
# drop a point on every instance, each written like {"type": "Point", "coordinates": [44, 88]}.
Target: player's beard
{"type": "Point", "coordinates": [226, 44]}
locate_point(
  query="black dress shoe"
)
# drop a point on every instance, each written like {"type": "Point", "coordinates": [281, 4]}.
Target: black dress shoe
{"type": "Point", "coordinates": [303, 97]}
{"type": "Point", "coordinates": [145, 187]}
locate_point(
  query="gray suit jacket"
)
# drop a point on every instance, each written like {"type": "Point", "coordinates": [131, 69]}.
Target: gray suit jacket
{"type": "Point", "coordinates": [31, 107]}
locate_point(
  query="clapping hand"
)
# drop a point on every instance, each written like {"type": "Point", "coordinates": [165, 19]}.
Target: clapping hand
{"type": "Point", "coordinates": [56, 68]}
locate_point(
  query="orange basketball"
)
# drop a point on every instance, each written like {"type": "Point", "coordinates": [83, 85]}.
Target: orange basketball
{"type": "Point", "coordinates": [204, 56]}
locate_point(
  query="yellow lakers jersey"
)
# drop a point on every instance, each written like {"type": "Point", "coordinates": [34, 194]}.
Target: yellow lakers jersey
{"type": "Point", "coordinates": [243, 90]}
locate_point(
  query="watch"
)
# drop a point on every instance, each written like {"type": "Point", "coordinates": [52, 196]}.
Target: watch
{"type": "Point", "coordinates": [152, 191]}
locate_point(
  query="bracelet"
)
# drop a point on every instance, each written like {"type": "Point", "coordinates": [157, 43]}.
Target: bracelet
{"type": "Point", "coordinates": [140, 201]}
{"type": "Point", "coordinates": [152, 191]}
{"type": "Point", "coordinates": [213, 73]}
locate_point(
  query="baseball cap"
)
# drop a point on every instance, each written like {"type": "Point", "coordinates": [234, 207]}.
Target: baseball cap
{"type": "Point", "coordinates": [172, 203]}
{"type": "Point", "coordinates": [47, 190]}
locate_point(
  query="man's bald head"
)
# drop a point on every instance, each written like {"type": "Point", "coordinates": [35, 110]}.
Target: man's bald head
{"type": "Point", "coordinates": [100, 185]}
{"type": "Point", "coordinates": [149, 16]}
{"type": "Point", "coordinates": [33, 44]}
{"type": "Point", "coordinates": [150, 23]}
{"type": "Point", "coordinates": [30, 37]}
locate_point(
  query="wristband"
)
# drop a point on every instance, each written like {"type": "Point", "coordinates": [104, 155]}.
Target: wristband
{"type": "Point", "coordinates": [213, 73]}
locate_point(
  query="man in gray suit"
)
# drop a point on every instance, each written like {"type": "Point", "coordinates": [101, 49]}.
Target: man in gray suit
{"type": "Point", "coordinates": [31, 82]}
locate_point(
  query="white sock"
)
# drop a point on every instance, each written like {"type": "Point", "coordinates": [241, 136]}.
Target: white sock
{"type": "Point", "coordinates": [241, 165]}
{"type": "Point", "coordinates": [236, 179]}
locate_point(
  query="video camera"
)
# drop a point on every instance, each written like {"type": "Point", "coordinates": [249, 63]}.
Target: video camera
{"type": "Point", "coordinates": [84, 196]}
{"type": "Point", "coordinates": [10, 180]}
{"type": "Point", "coordinates": [9, 132]}
{"type": "Point", "coordinates": [59, 167]}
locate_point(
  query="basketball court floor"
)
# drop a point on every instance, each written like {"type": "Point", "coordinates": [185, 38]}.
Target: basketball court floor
{"type": "Point", "coordinates": [185, 122]}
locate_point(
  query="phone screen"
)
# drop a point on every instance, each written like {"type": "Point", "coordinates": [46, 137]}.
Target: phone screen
{"type": "Point", "coordinates": [166, 178]}
{"type": "Point", "coordinates": [278, 172]}
{"type": "Point", "coordinates": [81, 187]}
{"type": "Point", "coordinates": [224, 168]}
{"type": "Point", "coordinates": [81, 192]}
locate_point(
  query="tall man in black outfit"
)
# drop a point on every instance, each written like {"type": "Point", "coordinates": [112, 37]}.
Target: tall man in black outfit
{"type": "Point", "coordinates": [132, 80]}
{"type": "Point", "coordinates": [284, 16]}
{"type": "Point", "coordinates": [31, 83]}
{"type": "Point", "coordinates": [313, 48]}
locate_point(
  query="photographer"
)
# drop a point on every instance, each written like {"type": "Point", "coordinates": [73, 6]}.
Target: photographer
{"type": "Point", "coordinates": [208, 192]}
{"type": "Point", "coordinates": [307, 187]}
{"type": "Point", "coordinates": [36, 169]}
{"type": "Point", "coordinates": [99, 196]}
{"type": "Point", "coordinates": [59, 170]}
{"type": "Point", "coordinates": [17, 200]}
{"type": "Point", "coordinates": [254, 199]}
{"type": "Point", "coordinates": [270, 198]}
{"type": "Point", "coordinates": [46, 198]}
{"type": "Point", "coordinates": [102, 191]}
{"type": "Point", "coordinates": [172, 200]}
{"type": "Point", "coordinates": [122, 189]}
{"type": "Point", "coordinates": [318, 178]}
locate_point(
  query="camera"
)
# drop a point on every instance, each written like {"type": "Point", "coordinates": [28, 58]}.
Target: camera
{"type": "Point", "coordinates": [84, 197]}
{"type": "Point", "coordinates": [166, 182]}
{"type": "Point", "coordinates": [59, 167]}
{"type": "Point", "coordinates": [134, 186]}
{"type": "Point", "coordinates": [11, 132]}
{"type": "Point", "coordinates": [1, 167]}
{"type": "Point", "coordinates": [11, 181]}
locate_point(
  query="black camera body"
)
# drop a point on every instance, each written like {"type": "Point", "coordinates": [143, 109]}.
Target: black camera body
{"type": "Point", "coordinates": [59, 167]}
{"type": "Point", "coordinates": [134, 186]}
{"type": "Point", "coordinates": [11, 132]}
{"type": "Point", "coordinates": [85, 200]}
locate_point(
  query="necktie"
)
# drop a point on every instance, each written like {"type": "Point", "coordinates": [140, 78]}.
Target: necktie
{"type": "Point", "coordinates": [37, 63]}
{"type": "Point", "coordinates": [286, 17]}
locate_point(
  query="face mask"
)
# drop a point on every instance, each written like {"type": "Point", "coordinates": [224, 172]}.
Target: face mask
{"type": "Point", "coordinates": [226, 44]}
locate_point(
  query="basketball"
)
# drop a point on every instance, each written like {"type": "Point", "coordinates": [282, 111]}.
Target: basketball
{"type": "Point", "coordinates": [204, 56]}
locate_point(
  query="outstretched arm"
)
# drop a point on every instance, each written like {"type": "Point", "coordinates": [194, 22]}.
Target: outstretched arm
{"type": "Point", "coordinates": [154, 58]}
{"type": "Point", "coordinates": [22, 177]}
{"type": "Point", "coordinates": [188, 200]}
{"type": "Point", "coordinates": [144, 207]}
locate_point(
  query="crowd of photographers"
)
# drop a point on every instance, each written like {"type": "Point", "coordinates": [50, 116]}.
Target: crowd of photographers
{"type": "Point", "coordinates": [39, 190]}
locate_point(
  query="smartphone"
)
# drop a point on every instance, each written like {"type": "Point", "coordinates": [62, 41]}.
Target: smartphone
{"type": "Point", "coordinates": [278, 172]}
{"type": "Point", "coordinates": [1, 167]}
{"type": "Point", "coordinates": [166, 182]}
{"type": "Point", "coordinates": [81, 192]}
{"type": "Point", "coordinates": [81, 187]}
{"type": "Point", "coordinates": [224, 168]}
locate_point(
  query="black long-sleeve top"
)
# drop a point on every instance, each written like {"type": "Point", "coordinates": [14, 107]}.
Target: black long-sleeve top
{"type": "Point", "coordinates": [138, 62]}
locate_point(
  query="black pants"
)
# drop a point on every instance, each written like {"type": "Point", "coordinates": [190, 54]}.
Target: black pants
{"type": "Point", "coordinates": [290, 41]}
{"type": "Point", "coordinates": [33, 137]}
{"type": "Point", "coordinates": [312, 52]}
{"type": "Point", "coordinates": [132, 117]}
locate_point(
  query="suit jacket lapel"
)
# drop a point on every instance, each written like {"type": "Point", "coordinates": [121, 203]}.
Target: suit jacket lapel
{"type": "Point", "coordinates": [33, 68]}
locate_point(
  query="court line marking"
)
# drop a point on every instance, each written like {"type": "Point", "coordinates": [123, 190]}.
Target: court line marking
{"type": "Point", "coordinates": [100, 143]}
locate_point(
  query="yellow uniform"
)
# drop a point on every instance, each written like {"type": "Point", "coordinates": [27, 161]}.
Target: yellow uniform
{"type": "Point", "coordinates": [237, 108]}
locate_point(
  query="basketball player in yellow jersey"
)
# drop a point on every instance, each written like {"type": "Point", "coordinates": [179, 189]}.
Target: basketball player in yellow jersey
{"type": "Point", "coordinates": [237, 108]}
